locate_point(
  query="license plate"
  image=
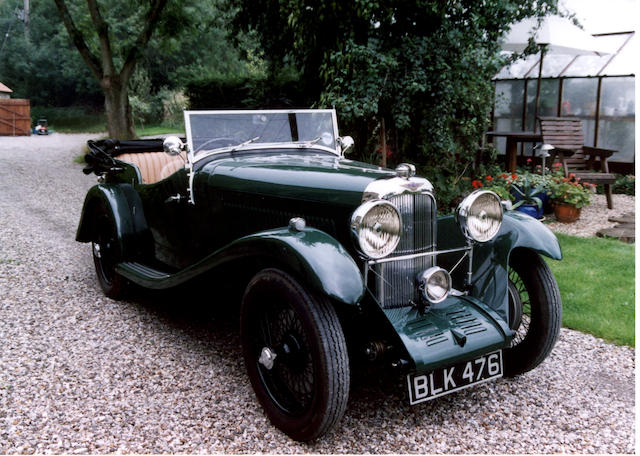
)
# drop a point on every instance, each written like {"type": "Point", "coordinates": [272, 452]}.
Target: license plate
{"type": "Point", "coordinates": [424, 387]}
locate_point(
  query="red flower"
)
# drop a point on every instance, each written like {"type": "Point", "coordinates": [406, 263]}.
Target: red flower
{"type": "Point", "coordinates": [528, 160]}
{"type": "Point", "coordinates": [489, 178]}
{"type": "Point", "coordinates": [476, 184]}
{"type": "Point", "coordinates": [514, 176]}
{"type": "Point", "coordinates": [557, 165]}
{"type": "Point", "coordinates": [572, 175]}
{"type": "Point", "coordinates": [504, 175]}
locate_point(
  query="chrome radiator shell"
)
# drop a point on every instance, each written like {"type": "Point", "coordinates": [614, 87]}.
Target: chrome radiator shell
{"type": "Point", "coordinates": [394, 282]}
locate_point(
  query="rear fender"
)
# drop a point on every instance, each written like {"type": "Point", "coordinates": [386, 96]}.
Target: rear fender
{"type": "Point", "coordinates": [491, 259]}
{"type": "Point", "coordinates": [125, 209]}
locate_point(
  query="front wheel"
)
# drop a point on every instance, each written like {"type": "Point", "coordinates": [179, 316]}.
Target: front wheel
{"type": "Point", "coordinates": [535, 312]}
{"type": "Point", "coordinates": [295, 354]}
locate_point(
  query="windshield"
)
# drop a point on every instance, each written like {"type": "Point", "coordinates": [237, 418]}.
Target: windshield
{"type": "Point", "coordinates": [222, 131]}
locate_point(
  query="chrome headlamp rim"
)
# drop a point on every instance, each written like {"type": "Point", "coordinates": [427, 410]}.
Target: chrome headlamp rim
{"type": "Point", "coordinates": [356, 224]}
{"type": "Point", "coordinates": [464, 210]}
{"type": "Point", "coordinates": [424, 279]}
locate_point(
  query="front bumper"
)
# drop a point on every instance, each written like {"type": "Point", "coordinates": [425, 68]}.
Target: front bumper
{"type": "Point", "coordinates": [459, 328]}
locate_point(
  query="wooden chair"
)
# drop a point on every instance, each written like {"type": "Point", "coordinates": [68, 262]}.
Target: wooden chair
{"type": "Point", "coordinates": [566, 135]}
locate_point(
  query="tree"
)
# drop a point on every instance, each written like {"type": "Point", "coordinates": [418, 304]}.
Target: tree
{"type": "Point", "coordinates": [102, 61]}
{"type": "Point", "coordinates": [424, 66]}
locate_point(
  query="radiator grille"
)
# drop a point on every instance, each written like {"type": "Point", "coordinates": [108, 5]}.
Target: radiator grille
{"type": "Point", "coordinates": [396, 280]}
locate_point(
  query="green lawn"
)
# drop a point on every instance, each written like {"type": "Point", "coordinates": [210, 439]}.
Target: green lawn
{"type": "Point", "coordinates": [597, 284]}
{"type": "Point", "coordinates": [154, 130]}
{"type": "Point", "coordinates": [82, 119]}
{"type": "Point", "coordinates": [71, 119]}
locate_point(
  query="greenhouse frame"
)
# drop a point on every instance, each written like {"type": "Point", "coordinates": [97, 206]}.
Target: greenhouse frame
{"type": "Point", "coordinates": [599, 90]}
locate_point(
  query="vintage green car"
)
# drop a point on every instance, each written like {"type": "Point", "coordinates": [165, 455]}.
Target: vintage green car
{"type": "Point", "coordinates": [339, 263]}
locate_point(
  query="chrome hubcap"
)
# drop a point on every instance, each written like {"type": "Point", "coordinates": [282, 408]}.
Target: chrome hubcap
{"type": "Point", "coordinates": [267, 358]}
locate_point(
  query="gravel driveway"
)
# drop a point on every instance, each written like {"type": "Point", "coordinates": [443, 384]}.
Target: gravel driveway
{"type": "Point", "coordinates": [80, 373]}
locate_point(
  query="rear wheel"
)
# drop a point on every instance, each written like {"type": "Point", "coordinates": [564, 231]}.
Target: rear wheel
{"type": "Point", "coordinates": [535, 312]}
{"type": "Point", "coordinates": [106, 255]}
{"type": "Point", "coordinates": [295, 354]}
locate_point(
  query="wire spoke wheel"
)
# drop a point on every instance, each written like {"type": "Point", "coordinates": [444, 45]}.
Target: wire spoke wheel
{"type": "Point", "coordinates": [520, 308]}
{"type": "Point", "coordinates": [295, 355]}
{"type": "Point", "coordinates": [289, 380]}
{"type": "Point", "coordinates": [535, 312]}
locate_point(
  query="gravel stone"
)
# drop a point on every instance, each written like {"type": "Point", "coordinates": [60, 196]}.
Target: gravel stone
{"type": "Point", "coordinates": [595, 216]}
{"type": "Point", "coordinates": [163, 373]}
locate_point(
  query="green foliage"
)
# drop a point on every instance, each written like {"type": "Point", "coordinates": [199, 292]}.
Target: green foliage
{"type": "Point", "coordinates": [249, 92]}
{"type": "Point", "coordinates": [190, 41]}
{"type": "Point", "coordinates": [597, 284]}
{"type": "Point", "coordinates": [47, 68]}
{"type": "Point", "coordinates": [425, 67]}
{"type": "Point", "coordinates": [624, 185]}
{"type": "Point", "coordinates": [527, 191]}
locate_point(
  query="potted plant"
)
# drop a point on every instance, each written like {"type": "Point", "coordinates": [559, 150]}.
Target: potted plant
{"type": "Point", "coordinates": [544, 182]}
{"type": "Point", "coordinates": [528, 197]}
{"type": "Point", "coordinates": [569, 196]}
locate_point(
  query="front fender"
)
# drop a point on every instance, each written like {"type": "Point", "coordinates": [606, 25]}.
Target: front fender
{"type": "Point", "coordinates": [320, 260]}
{"type": "Point", "coordinates": [124, 206]}
{"type": "Point", "coordinates": [491, 259]}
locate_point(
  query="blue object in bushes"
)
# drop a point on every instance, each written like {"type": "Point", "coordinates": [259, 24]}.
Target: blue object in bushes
{"type": "Point", "coordinates": [546, 202]}
{"type": "Point", "coordinates": [531, 209]}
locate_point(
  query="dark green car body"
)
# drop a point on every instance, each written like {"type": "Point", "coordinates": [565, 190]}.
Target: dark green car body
{"type": "Point", "coordinates": [336, 265]}
{"type": "Point", "coordinates": [240, 218]}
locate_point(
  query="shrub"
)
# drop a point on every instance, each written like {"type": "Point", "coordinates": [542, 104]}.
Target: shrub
{"type": "Point", "coordinates": [625, 185]}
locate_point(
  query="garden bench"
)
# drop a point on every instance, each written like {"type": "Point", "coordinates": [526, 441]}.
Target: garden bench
{"type": "Point", "coordinates": [566, 135]}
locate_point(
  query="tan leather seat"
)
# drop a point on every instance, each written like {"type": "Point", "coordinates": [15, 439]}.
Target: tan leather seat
{"type": "Point", "coordinates": [154, 166]}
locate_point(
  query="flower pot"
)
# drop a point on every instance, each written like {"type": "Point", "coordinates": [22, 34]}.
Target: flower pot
{"type": "Point", "coordinates": [530, 209]}
{"type": "Point", "coordinates": [566, 213]}
{"type": "Point", "coordinates": [547, 208]}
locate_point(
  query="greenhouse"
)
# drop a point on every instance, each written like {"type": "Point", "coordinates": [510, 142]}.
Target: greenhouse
{"type": "Point", "coordinates": [599, 90]}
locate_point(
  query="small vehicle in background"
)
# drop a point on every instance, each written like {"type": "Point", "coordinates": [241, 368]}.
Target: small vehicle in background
{"type": "Point", "coordinates": [42, 128]}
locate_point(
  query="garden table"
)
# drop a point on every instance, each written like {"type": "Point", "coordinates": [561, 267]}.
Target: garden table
{"type": "Point", "coordinates": [513, 138]}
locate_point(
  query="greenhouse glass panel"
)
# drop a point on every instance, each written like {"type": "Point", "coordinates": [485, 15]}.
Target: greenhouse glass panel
{"type": "Point", "coordinates": [617, 118]}
{"type": "Point", "coordinates": [509, 95]}
{"type": "Point", "coordinates": [579, 100]}
{"type": "Point", "coordinates": [508, 109]}
{"type": "Point", "coordinates": [624, 63]}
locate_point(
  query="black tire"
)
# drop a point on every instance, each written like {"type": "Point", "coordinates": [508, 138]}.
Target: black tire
{"type": "Point", "coordinates": [535, 312]}
{"type": "Point", "coordinates": [305, 391]}
{"type": "Point", "coordinates": [106, 255]}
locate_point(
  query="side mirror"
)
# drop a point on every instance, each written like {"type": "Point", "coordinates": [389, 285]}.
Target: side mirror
{"type": "Point", "coordinates": [173, 146]}
{"type": "Point", "coordinates": [345, 143]}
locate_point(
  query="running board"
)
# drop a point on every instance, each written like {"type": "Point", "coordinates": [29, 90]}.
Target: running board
{"type": "Point", "coordinates": [143, 274]}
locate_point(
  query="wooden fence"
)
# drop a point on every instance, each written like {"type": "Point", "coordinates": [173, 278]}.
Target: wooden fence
{"type": "Point", "coordinates": [15, 117]}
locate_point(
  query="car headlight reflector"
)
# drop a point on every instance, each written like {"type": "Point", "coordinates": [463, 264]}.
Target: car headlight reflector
{"type": "Point", "coordinates": [435, 284]}
{"type": "Point", "coordinates": [376, 227]}
{"type": "Point", "coordinates": [480, 215]}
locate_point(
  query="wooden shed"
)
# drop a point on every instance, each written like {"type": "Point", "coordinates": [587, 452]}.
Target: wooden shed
{"type": "Point", "coordinates": [15, 115]}
{"type": "Point", "coordinates": [5, 92]}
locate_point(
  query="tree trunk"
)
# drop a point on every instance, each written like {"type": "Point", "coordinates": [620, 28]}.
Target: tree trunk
{"type": "Point", "coordinates": [116, 101]}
